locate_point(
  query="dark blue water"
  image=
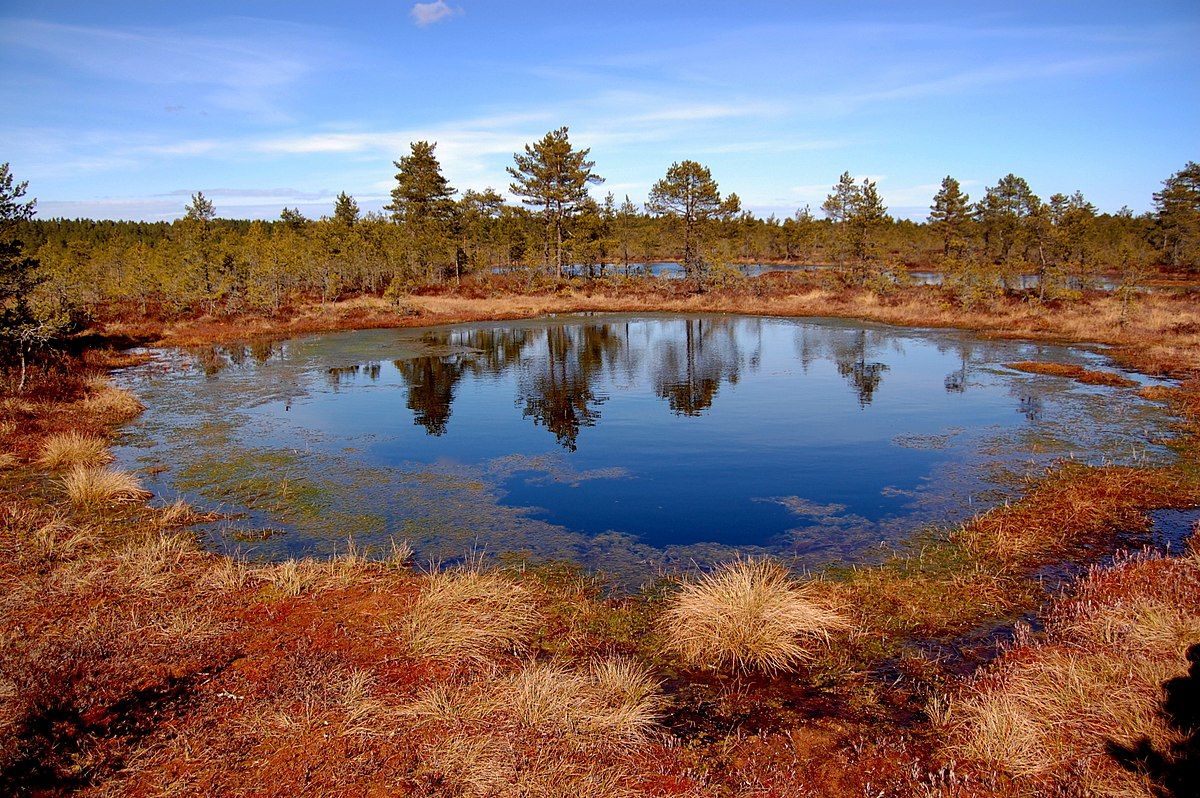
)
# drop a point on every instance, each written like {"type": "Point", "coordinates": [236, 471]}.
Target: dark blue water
{"type": "Point", "coordinates": [626, 443]}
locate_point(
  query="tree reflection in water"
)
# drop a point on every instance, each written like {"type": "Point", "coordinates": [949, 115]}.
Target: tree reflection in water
{"type": "Point", "coordinates": [686, 361]}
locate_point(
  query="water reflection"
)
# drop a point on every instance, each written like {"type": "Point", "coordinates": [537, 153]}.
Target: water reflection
{"type": "Point", "coordinates": [627, 443]}
{"type": "Point", "coordinates": [690, 369]}
{"type": "Point", "coordinates": [431, 382]}
{"type": "Point", "coordinates": [559, 364]}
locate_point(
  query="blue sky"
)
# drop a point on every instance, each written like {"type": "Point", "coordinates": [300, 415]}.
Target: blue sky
{"type": "Point", "coordinates": [121, 110]}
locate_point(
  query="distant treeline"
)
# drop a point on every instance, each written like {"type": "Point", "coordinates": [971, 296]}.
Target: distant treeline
{"type": "Point", "coordinates": [432, 233]}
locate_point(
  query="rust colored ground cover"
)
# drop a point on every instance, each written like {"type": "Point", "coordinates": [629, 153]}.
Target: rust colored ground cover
{"type": "Point", "coordinates": [133, 662]}
{"type": "Point", "coordinates": [1087, 376]}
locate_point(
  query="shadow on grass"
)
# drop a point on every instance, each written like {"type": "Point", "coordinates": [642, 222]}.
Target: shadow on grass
{"type": "Point", "coordinates": [1175, 771]}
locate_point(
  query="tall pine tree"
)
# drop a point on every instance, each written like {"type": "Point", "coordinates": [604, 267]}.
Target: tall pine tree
{"type": "Point", "coordinates": [553, 176]}
{"type": "Point", "coordinates": [949, 215]}
{"type": "Point", "coordinates": [689, 194]}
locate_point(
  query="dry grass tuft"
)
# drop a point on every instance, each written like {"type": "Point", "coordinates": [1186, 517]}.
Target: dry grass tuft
{"type": "Point", "coordinates": [92, 487]}
{"type": "Point", "coordinates": [468, 615]}
{"type": "Point", "coordinates": [176, 514]}
{"type": "Point", "coordinates": [1048, 710]}
{"type": "Point", "coordinates": [111, 403]}
{"type": "Point", "coordinates": [749, 615]}
{"type": "Point", "coordinates": [72, 449]}
{"type": "Point", "coordinates": [155, 563]}
{"type": "Point", "coordinates": [228, 574]}
{"type": "Point", "coordinates": [8, 460]}
{"type": "Point", "coordinates": [56, 540]}
{"type": "Point", "coordinates": [294, 577]}
{"type": "Point", "coordinates": [628, 701]}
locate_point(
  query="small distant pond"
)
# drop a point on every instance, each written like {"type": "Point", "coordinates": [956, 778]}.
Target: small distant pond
{"type": "Point", "coordinates": [629, 444]}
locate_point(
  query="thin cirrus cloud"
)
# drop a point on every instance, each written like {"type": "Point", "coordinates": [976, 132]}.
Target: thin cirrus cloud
{"type": "Point", "coordinates": [243, 68]}
{"type": "Point", "coordinates": [776, 101]}
{"type": "Point", "coordinates": [424, 14]}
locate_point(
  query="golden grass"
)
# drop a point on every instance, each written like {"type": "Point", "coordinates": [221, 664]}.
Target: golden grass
{"type": "Point", "coordinates": [177, 513]}
{"type": "Point", "coordinates": [93, 487]}
{"type": "Point", "coordinates": [228, 574]}
{"type": "Point", "coordinates": [545, 728]}
{"type": "Point", "coordinates": [628, 699]}
{"type": "Point", "coordinates": [468, 615]}
{"type": "Point", "coordinates": [112, 404]}
{"type": "Point", "coordinates": [57, 540]}
{"type": "Point", "coordinates": [294, 577]}
{"type": "Point", "coordinates": [8, 460]}
{"type": "Point", "coordinates": [749, 615]}
{"type": "Point", "coordinates": [155, 563]}
{"type": "Point", "coordinates": [1045, 713]}
{"type": "Point", "coordinates": [71, 449]}
{"type": "Point", "coordinates": [613, 700]}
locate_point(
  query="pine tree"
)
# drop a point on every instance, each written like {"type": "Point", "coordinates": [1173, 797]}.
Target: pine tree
{"type": "Point", "coordinates": [423, 203]}
{"type": "Point", "coordinates": [345, 210]}
{"type": "Point", "coordinates": [21, 332]}
{"type": "Point", "coordinates": [200, 209]}
{"type": "Point", "coordinates": [1177, 208]}
{"type": "Point", "coordinates": [1008, 214]}
{"type": "Point", "coordinates": [841, 202]}
{"type": "Point", "coordinates": [625, 228]}
{"type": "Point", "coordinates": [293, 218]}
{"type": "Point", "coordinates": [689, 193]}
{"type": "Point", "coordinates": [554, 177]}
{"type": "Point", "coordinates": [422, 194]}
{"type": "Point", "coordinates": [857, 211]}
{"type": "Point", "coordinates": [949, 214]}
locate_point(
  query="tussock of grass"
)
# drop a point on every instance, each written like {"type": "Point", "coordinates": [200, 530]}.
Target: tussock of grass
{"type": "Point", "coordinates": [112, 404]}
{"type": "Point", "coordinates": [628, 699]}
{"type": "Point", "coordinates": [749, 615]}
{"type": "Point", "coordinates": [1079, 373]}
{"type": "Point", "coordinates": [294, 577]}
{"type": "Point", "coordinates": [468, 615]}
{"type": "Point", "coordinates": [56, 540]}
{"type": "Point", "coordinates": [1046, 712]}
{"type": "Point", "coordinates": [8, 460]}
{"type": "Point", "coordinates": [155, 563]}
{"type": "Point", "coordinates": [93, 487]}
{"type": "Point", "coordinates": [72, 449]}
{"type": "Point", "coordinates": [615, 699]}
{"type": "Point", "coordinates": [177, 513]}
{"type": "Point", "coordinates": [545, 728]}
{"type": "Point", "coordinates": [228, 574]}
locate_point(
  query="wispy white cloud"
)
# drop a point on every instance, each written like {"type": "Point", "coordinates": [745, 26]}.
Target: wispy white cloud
{"type": "Point", "coordinates": [244, 69]}
{"type": "Point", "coordinates": [428, 13]}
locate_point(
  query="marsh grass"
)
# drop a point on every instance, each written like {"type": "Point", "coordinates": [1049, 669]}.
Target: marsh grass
{"type": "Point", "coordinates": [468, 615]}
{"type": "Point", "coordinates": [1074, 372]}
{"type": "Point", "coordinates": [110, 403]}
{"type": "Point", "coordinates": [155, 563]}
{"type": "Point", "coordinates": [1047, 711]}
{"type": "Point", "coordinates": [750, 615]}
{"type": "Point", "coordinates": [57, 540]}
{"type": "Point", "coordinates": [71, 449]}
{"type": "Point", "coordinates": [543, 728]}
{"type": "Point", "coordinates": [1070, 506]}
{"type": "Point", "coordinates": [97, 487]}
